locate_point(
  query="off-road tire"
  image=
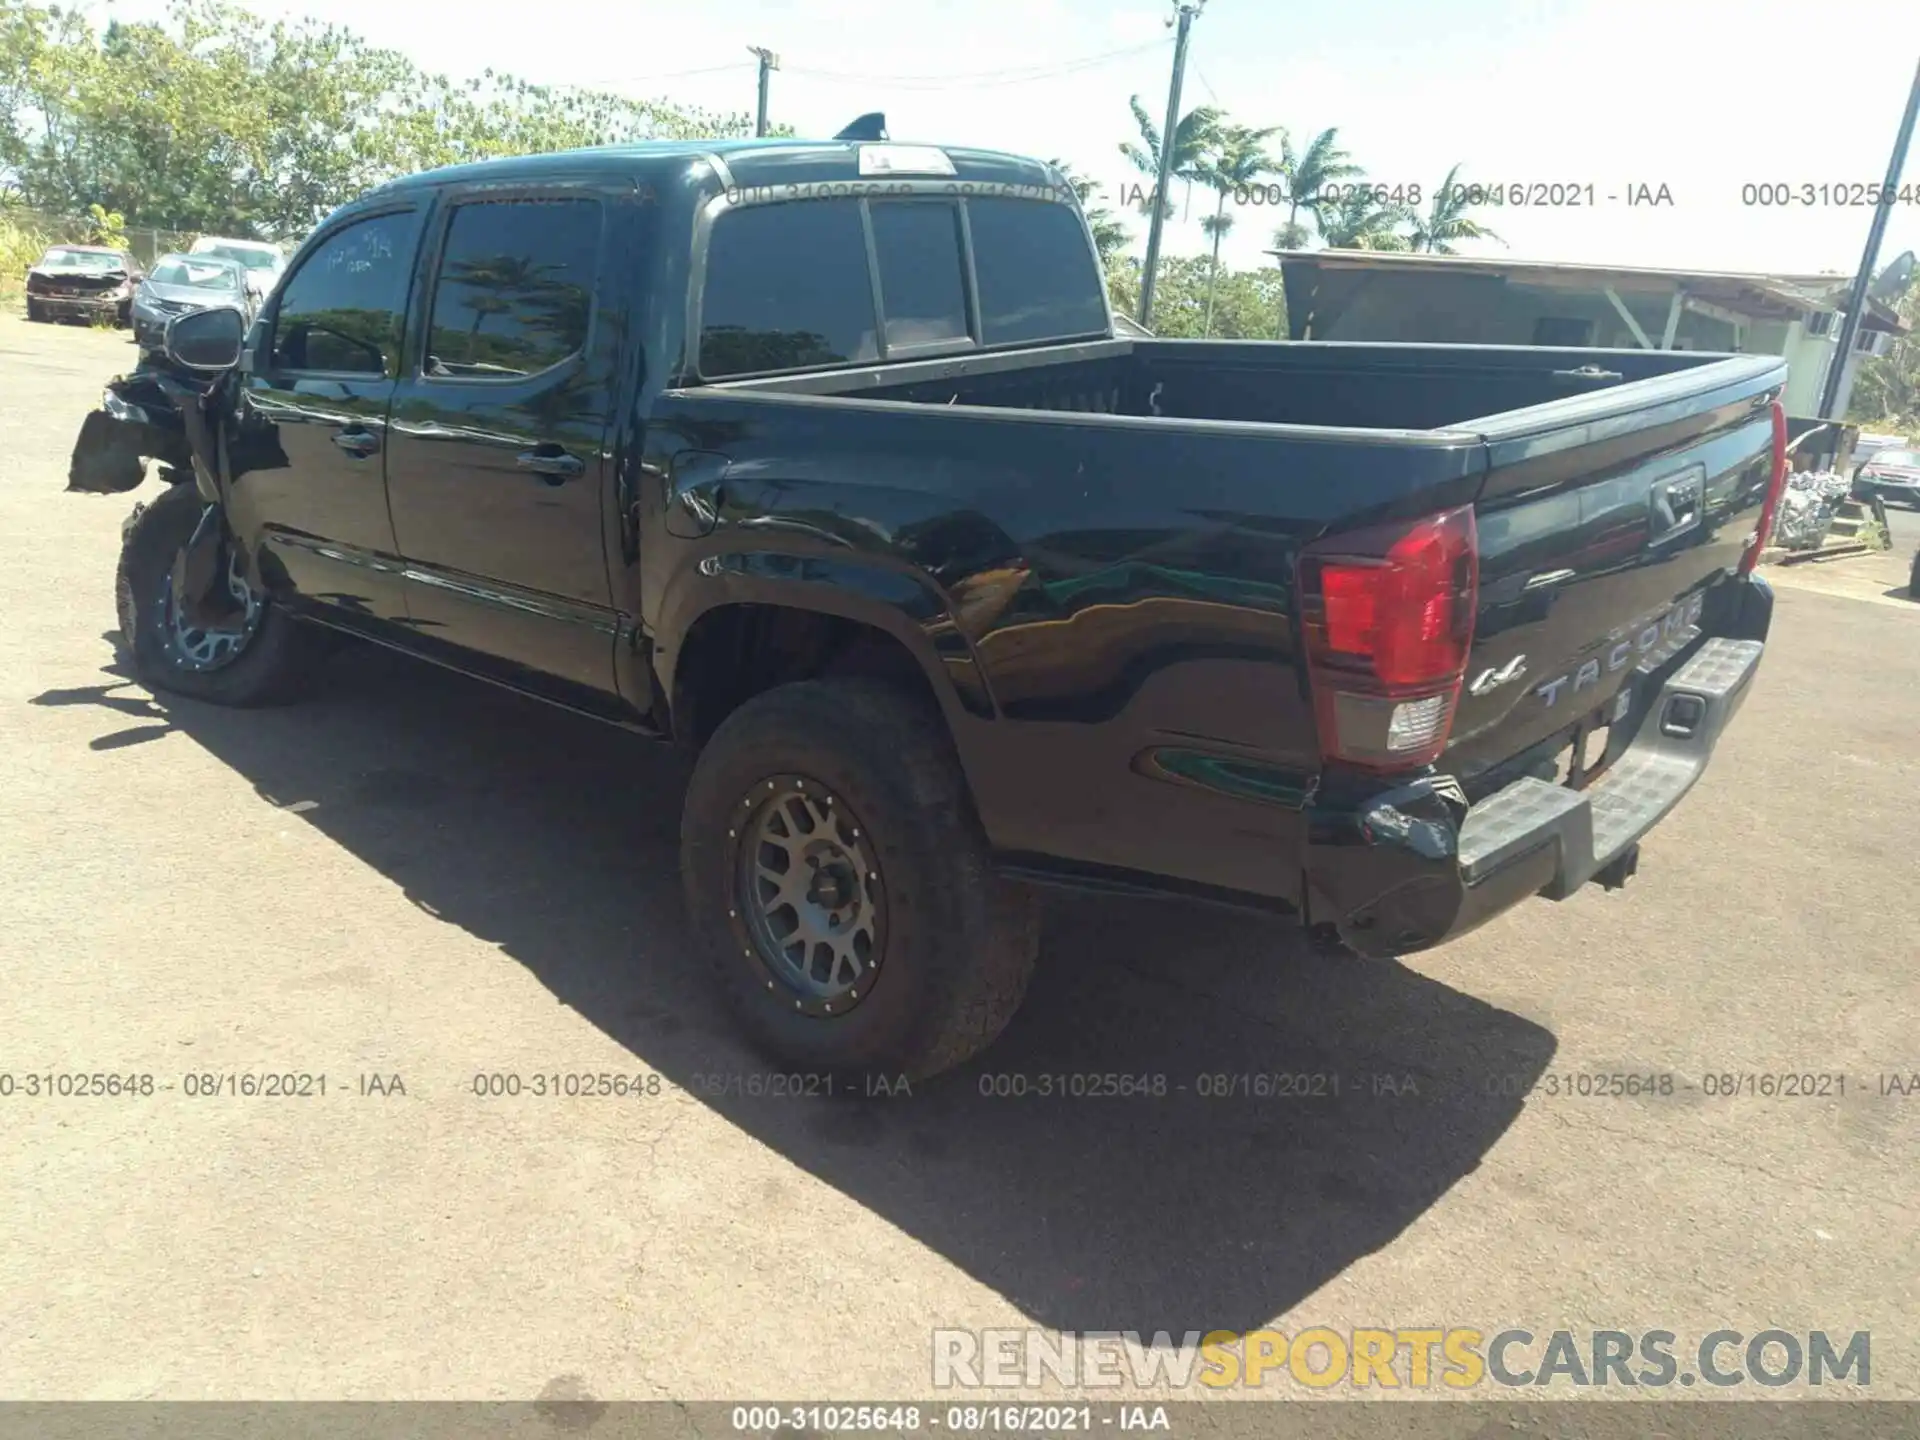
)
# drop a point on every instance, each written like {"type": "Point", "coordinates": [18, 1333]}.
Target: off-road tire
{"type": "Point", "coordinates": [959, 942]}
{"type": "Point", "coordinates": [276, 664]}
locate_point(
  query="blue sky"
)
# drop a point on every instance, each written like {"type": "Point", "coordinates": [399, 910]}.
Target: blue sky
{"type": "Point", "coordinates": [1698, 95]}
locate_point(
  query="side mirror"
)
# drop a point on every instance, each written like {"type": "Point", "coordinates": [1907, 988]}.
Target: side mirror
{"type": "Point", "coordinates": [206, 339]}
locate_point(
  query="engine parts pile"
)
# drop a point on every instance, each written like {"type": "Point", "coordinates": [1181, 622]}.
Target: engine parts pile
{"type": "Point", "coordinates": [1807, 508]}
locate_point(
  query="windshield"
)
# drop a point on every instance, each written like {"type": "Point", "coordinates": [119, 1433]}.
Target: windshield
{"type": "Point", "coordinates": [205, 274]}
{"type": "Point", "coordinates": [245, 255]}
{"type": "Point", "coordinates": [1905, 459]}
{"type": "Point", "coordinates": [84, 259]}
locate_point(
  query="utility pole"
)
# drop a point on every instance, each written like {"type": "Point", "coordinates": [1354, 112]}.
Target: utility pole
{"type": "Point", "coordinates": [1185, 10]}
{"type": "Point", "coordinates": [1857, 305]}
{"type": "Point", "coordinates": [769, 62]}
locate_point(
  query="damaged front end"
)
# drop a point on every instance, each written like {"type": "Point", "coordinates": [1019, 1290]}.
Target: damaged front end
{"type": "Point", "coordinates": [138, 420]}
{"type": "Point", "coordinates": [165, 411]}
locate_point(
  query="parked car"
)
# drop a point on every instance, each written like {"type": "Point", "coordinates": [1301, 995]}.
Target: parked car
{"type": "Point", "coordinates": [262, 262]}
{"type": "Point", "coordinates": [82, 282]}
{"type": "Point", "coordinates": [1892, 474]}
{"type": "Point", "coordinates": [826, 463]}
{"type": "Point", "coordinates": [179, 284]}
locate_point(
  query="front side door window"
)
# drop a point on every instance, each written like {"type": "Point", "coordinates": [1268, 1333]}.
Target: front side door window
{"type": "Point", "coordinates": [340, 312]}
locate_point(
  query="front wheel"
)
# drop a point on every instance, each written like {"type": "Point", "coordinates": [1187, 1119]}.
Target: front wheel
{"type": "Point", "coordinates": [838, 878]}
{"type": "Point", "coordinates": [252, 655]}
{"type": "Point", "coordinates": [36, 312]}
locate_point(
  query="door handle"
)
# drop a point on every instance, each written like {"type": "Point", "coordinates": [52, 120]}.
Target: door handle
{"type": "Point", "coordinates": [553, 467]}
{"type": "Point", "coordinates": [357, 443]}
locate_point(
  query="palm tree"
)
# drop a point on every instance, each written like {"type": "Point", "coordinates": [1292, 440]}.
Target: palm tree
{"type": "Point", "coordinates": [1239, 158]}
{"type": "Point", "coordinates": [1110, 237]}
{"type": "Point", "coordinates": [1193, 140]}
{"type": "Point", "coordinates": [1447, 220]}
{"type": "Point", "coordinates": [1309, 173]}
{"type": "Point", "coordinates": [1359, 221]}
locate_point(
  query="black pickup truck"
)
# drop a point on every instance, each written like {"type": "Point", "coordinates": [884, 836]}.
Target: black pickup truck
{"type": "Point", "coordinates": [825, 460]}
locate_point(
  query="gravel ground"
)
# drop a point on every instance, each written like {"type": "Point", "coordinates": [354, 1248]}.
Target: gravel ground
{"type": "Point", "coordinates": [415, 876]}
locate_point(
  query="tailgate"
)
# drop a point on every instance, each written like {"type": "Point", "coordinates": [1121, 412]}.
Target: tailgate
{"type": "Point", "coordinates": [1606, 525]}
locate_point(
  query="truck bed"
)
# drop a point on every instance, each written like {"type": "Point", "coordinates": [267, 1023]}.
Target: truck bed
{"type": "Point", "coordinates": [1317, 384]}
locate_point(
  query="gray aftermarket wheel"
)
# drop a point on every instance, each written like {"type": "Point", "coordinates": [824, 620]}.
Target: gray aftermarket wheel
{"type": "Point", "coordinates": [253, 654]}
{"type": "Point", "coordinates": [838, 879]}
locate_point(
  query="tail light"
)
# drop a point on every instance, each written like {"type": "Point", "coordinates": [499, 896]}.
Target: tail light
{"type": "Point", "coordinates": [1770, 508]}
{"type": "Point", "coordinates": [1388, 619]}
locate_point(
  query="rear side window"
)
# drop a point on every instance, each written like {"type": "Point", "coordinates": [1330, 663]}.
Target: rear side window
{"type": "Point", "coordinates": [786, 287]}
{"type": "Point", "coordinates": [340, 311]}
{"type": "Point", "coordinates": [1036, 272]}
{"type": "Point", "coordinates": [923, 292]}
{"type": "Point", "coordinates": [514, 290]}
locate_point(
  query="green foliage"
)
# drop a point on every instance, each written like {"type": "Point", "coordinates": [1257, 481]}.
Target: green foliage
{"type": "Point", "coordinates": [1447, 219]}
{"type": "Point", "coordinates": [219, 121]}
{"type": "Point", "coordinates": [106, 227]}
{"type": "Point", "coordinates": [1237, 158]}
{"type": "Point", "coordinates": [1357, 221]}
{"type": "Point", "coordinates": [1194, 141]}
{"type": "Point", "coordinates": [1886, 388]}
{"type": "Point", "coordinates": [1247, 304]}
{"type": "Point", "coordinates": [21, 243]}
{"type": "Point", "coordinates": [1308, 173]}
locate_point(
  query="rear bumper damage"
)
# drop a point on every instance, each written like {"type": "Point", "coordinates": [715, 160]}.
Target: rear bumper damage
{"type": "Point", "coordinates": [1418, 866]}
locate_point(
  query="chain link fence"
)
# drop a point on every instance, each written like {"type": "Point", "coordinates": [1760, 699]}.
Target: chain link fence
{"type": "Point", "coordinates": [147, 243]}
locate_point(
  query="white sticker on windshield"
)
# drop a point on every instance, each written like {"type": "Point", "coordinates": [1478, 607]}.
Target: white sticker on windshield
{"type": "Point", "coordinates": [904, 160]}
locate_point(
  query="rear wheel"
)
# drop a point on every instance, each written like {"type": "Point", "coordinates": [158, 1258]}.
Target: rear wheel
{"type": "Point", "coordinates": [837, 876]}
{"type": "Point", "coordinates": [254, 654]}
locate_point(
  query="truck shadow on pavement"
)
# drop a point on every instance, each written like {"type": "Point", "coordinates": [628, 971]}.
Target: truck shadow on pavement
{"type": "Point", "coordinates": [556, 839]}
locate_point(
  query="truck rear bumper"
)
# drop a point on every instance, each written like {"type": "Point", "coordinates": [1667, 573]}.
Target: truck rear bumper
{"type": "Point", "coordinates": [1585, 830]}
{"type": "Point", "coordinates": [1451, 867]}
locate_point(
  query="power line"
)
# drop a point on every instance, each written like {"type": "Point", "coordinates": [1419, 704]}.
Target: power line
{"type": "Point", "coordinates": [1018, 76]}
{"type": "Point", "coordinates": [667, 75]}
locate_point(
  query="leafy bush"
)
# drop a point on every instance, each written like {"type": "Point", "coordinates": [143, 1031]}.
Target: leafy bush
{"type": "Point", "coordinates": [21, 243]}
{"type": "Point", "coordinates": [1248, 304]}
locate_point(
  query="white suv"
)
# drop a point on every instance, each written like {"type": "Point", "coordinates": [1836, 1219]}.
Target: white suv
{"type": "Point", "coordinates": [261, 261]}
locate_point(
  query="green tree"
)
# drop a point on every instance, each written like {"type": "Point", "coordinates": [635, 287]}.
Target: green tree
{"type": "Point", "coordinates": [1308, 174]}
{"type": "Point", "coordinates": [1244, 300]}
{"type": "Point", "coordinates": [1358, 220]}
{"type": "Point", "coordinates": [1447, 219]}
{"type": "Point", "coordinates": [1886, 390]}
{"type": "Point", "coordinates": [1193, 142]}
{"type": "Point", "coordinates": [214, 119]}
{"type": "Point", "coordinates": [1238, 158]}
{"type": "Point", "coordinates": [1110, 237]}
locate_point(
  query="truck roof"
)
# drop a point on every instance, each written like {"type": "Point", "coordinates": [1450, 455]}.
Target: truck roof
{"type": "Point", "coordinates": [773, 161]}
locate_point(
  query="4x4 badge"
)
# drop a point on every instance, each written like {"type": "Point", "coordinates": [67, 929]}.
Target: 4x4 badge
{"type": "Point", "coordinates": [1490, 680]}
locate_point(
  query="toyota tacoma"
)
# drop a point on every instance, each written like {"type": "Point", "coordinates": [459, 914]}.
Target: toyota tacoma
{"type": "Point", "coordinates": [827, 460]}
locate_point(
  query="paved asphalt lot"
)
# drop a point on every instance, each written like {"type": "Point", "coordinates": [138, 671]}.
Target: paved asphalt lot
{"type": "Point", "coordinates": [415, 876]}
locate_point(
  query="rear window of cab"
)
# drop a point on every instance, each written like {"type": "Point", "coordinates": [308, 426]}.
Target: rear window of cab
{"type": "Point", "coordinates": [795, 284]}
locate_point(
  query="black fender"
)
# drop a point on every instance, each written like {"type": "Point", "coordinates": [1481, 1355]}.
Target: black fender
{"type": "Point", "coordinates": [895, 599]}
